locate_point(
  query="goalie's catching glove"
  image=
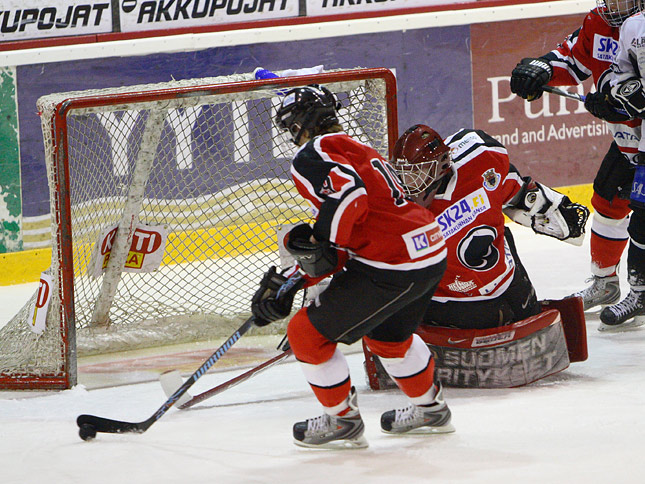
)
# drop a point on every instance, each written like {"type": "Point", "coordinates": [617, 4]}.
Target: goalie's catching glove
{"type": "Point", "coordinates": [314, 258]}
{"type": "Point", "coordinates": [265, 305]}
{"type": "Point", "coordinates": [529, 76]}
{"type": "Point", "coordinates": [548, 212]}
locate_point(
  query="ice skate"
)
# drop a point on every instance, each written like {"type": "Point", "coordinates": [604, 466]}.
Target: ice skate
{"type": "Point", "coordinates": [602, 292]}
{"type": "Point", "coordinates": [419, 419]}
{"type": "Point", "coordinates": [333, 432]}
{"type": "Point", "coordinates": [628, 313]}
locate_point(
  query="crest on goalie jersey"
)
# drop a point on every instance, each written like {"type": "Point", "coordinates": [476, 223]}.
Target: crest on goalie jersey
{"type": "Point", "coordinates": [491, 179]}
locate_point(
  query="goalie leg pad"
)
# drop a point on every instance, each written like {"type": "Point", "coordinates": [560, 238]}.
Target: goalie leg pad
{"type": "Point", "coordinates": [504, 357]}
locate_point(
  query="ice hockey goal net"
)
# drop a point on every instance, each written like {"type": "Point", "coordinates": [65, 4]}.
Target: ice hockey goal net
{"type": "Point", "coordinates": [195, 178]}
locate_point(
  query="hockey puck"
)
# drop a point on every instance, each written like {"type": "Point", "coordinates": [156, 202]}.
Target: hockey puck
{"type": "Point", "coordinates": [87, 431]}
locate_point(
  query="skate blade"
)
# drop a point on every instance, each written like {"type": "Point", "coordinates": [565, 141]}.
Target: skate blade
{"type": "Point", "coordinates": [444, 429]}
{"type": "Point", "coordinates": [635, 323]}
{"type": "Point", "coordinates": [360, 443]}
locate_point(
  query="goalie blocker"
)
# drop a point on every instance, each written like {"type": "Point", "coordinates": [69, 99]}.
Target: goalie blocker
{"type": "Point", "coordinates": [504, 357]}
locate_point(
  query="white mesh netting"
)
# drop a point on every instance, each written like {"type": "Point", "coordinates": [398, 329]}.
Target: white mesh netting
{"type": "Point", "coordinates": [217, 180]}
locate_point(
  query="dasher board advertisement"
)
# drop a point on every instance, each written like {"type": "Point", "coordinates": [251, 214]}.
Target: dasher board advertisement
{"type": "Point", "coordinates": [332, 7]}
{"type": "Point", "coordinates": [38, 19]}
{"type": "Point", "coordinates": [140, 15]}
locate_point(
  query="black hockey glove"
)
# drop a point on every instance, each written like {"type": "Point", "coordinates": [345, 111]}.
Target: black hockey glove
{"type": "Point", "coordinates": [314, 258]}
{"type": "Point", "coordinates": [600, 105]}
{"type": "Point", "coordinates": [529, 76]}
{"type": "Point", "coordinates": [631, 97]}
{"type": "Point", "coordinates": [265, 306]}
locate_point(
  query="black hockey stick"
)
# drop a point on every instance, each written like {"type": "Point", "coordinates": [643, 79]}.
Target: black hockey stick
{"type": "Point", "coordinates": [576, 96]}
{"type": "Point", "coordinates": [173, 380]}
{"type": "Point", "coordinates": [89, 425]}
{"type": "Point", "coordinates": [563, 93]}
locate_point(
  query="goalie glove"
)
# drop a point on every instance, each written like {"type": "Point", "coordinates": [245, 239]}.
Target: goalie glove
{"type": "Point", "coordinates": [549, 213]}
{"type": "Point", "coordinates": [265, 305]}
{"type": "Point", "coordinates": [630, 95]}
{"type": "Point", "coordinates": [314, 258]}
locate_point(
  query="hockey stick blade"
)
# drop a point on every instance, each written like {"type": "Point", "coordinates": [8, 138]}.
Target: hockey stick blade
{"type": "Point", "coordinates": [90, 424]}
{"type": "Point", "coordinates": [172, 380]}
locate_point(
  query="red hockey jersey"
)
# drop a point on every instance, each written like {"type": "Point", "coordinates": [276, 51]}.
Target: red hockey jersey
{"type": "Point", "coordinates": [359, 205]}
{"type": "Point", "coordinates": [469, 211]}
{"type": "Point", "coordinates": [590, 51]}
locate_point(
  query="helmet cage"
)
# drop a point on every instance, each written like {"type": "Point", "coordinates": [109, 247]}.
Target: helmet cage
{"type": "Point", "coordinates": [421, 158]}
{"type": "Point", "coordinates": [416, 178]}
{"type": "Point", "coordinates": [615, 12]}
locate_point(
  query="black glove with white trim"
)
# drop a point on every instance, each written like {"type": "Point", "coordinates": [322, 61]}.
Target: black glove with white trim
{"type": "Point", "coordinates": [631, 96]}
{"type": "Point", "coordinates": [599, 104]}
{"type": "Point", "coordinates": [529, 76]}
{"type": "Point", "coordinates": [265, 305]}
{"type": "Point", "coordinates": [314, 258]}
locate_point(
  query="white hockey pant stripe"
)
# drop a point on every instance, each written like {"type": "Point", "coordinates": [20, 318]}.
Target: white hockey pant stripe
{"type": "Point", "coordinates": [330, 373]}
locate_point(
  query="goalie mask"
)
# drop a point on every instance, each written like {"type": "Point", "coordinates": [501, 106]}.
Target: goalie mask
{"type": "Point", "coordinates": [421, 158]}
{"type": "Point", "coordinates": [312, 108]}
{"type": "Point", "coordinates": [615, 12]}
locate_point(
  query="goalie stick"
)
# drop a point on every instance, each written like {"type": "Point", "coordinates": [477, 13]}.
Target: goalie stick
{"type": "Point", "coordinates": [89, 425]}
{"type": "Point", "coordinates": [172, 380]}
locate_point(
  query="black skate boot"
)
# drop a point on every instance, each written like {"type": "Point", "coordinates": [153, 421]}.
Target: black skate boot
{"type": "Point", "coordinates": [602, 292]}
{"type": "Point", "coordinates": [628, 313]}
{"type": "Point", "coordinates": [333, 432]}
{"type": "Point", "coordinates": [419, 419]}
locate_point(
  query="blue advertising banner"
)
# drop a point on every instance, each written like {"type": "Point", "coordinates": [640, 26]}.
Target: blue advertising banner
{"type": "Point", "coordinates": [432, 68]}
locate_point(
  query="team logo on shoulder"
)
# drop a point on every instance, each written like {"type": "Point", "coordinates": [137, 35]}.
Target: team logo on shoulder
{"type": "Point", "coordinates": [336, 182]}
{"type": "Point", "coordinates": [491, 179]}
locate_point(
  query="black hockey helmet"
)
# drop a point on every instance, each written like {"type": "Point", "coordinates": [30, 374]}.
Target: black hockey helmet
{"type": "Point", "coordinates": [311, 107]}
{"type": "Point", "coordinates": [421, 159]}
{"type": "Point", "coordinates": [615, 12]}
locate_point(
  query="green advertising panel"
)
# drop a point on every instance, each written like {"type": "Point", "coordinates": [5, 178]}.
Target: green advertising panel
{"type": "Point", "coordinates": [10, 206]}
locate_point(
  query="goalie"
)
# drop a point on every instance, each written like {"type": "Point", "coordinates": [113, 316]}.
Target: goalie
{"type": "Point", "coordinates": [468, 182]}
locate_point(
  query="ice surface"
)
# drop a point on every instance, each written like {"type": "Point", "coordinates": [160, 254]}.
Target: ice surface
{"type": "Point", "coordinates": [584, 425]}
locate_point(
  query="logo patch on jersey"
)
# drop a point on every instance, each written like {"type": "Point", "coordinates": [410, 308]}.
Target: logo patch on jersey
{"type": "Point", "coordinates": [491, 179]}
{"type": "Point", "coordinates": [463, 212]}
{"type": "Point", "coordinates": [604, 48]}
{"type": "Point", "coordinates": [336, 182]}
{"type": "Point", "coordinates": [461, 286]}
{"type": "Point", "coordinates": [638, 42]}
{"type": "Point", "coordinates": [460, 147]}
{"type": "Point", "coordinates": [477, 251]}
{"type": "Point", "coordinates": [422, 241]}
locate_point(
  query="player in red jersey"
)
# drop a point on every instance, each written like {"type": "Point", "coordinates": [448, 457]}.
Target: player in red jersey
{"type": "Point", "coordinates": [468, 182]}
{"type": "Point", "coordinates": [589, 52]}
{"type": "Point", "coordinates": [392, 256]}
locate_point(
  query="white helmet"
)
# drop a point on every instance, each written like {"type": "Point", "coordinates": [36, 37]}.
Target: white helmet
{"type": "Point", "coordinates": [615, 12]}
